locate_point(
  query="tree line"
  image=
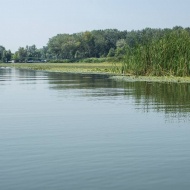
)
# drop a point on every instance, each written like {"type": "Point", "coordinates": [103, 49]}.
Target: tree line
{"type": "Point", "coordinates": [109, 43]}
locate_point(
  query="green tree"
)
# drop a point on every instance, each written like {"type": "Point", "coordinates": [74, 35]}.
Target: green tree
{"type": "Point", "coordinates": [1, 52]}
{"type": "Point", "coordinates": [6, 56]}
{"type": "Point", "coordinates": [22, 54]}
{"type": "Point", "coordinates": [111, 52]}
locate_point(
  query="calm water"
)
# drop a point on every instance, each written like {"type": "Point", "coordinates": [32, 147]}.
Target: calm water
{"type": "Point", "coordinates": [87, 132]}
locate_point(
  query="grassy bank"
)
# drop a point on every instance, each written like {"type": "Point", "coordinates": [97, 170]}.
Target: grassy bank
{"type": "Point", "coordinates": [97, 68]}
{"type": "Point", "coordinates": [107, 68]}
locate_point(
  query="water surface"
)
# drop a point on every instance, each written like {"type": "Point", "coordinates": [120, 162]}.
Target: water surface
{"type": "Point", "coordinates": [73, 131]}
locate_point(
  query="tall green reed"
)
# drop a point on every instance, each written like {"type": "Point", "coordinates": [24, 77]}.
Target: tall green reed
{"type": "Point", "coordinates": [169, 55]}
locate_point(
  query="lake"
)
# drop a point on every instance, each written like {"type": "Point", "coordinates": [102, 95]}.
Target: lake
{"type": "Point", "coordinates": [88, 132]}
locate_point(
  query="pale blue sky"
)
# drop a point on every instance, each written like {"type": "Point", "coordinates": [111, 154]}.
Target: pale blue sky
{"type": "Point", "coordinates": [28, 22]}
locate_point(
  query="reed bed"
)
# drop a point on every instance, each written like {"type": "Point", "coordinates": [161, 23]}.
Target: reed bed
{"type": "Point", "coordinates": [169, 55]}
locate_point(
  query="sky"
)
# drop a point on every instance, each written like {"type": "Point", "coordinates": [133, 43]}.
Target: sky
{"type": "Point", "coordinates": [28, 22]}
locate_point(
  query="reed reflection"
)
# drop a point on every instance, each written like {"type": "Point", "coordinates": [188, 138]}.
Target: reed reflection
{"type": "Point", "coordinates": [171, 98]}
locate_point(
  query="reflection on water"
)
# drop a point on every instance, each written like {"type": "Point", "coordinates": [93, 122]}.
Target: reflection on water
{"type": "Point", "coordinates": [171, 98]}
{"type": "Point", "coordinates": [77, 131]}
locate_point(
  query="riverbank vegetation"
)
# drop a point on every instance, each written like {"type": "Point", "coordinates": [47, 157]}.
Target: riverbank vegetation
{"type": "Point", "coordinates": [157, 52]}
{"type": "Point", "coordinates": [168, 55]}
{"type": "Point", "coordinates": [96, 68]}
{"type": "Point", "coordinates": [105, 68]}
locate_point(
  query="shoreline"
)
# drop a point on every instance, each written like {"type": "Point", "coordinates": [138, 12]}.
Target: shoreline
{"type": "Point", "coordinates": [99, 69]}
{"type": "Point", "coordinates": [160, 79]}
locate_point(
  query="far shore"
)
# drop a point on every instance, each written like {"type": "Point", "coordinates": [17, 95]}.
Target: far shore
{"type": "Point", "coordinates": [96, 68]}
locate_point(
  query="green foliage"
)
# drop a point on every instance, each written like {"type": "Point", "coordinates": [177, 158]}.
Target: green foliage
{"type": "Point", "coordinates": [86, 60]}
{"type": "Point", "coordinates": [1, 52]}
{"type": "Point", "coordinates": [93, 60]}
{"type": "Point", "coordinates": [83, 45]}
{"type": "Point", "coordinates": [61, 61]}
{"type": "Point", "coordinates": [169, 55]}
{"type": "Point", "coordinates": [143, 52]}
{"type": "Point", "coordinates": [111, 52]}
{"type": "Point", "coordinates": [30, 54]}
{"type": "Point", "coordinates": [5, 55]}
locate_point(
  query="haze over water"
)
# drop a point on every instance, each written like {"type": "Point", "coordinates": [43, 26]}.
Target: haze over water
{"type": "Point", "coordinates": [73, 131]}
